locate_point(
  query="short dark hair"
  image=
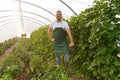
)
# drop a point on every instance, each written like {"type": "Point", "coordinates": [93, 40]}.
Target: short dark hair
{"type": "Point", "coordinates": [58, 11]}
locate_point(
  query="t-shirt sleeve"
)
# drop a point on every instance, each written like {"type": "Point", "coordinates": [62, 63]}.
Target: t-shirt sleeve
{"type": "Point", "coordinates": [66, 26]}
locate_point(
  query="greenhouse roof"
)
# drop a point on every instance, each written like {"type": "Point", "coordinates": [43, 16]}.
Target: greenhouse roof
{"type": "Point", "coordinates": [24, 16]}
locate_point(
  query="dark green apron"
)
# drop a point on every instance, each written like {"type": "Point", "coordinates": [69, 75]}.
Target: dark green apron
{"type": "Point", "coordinates": [60, 43]}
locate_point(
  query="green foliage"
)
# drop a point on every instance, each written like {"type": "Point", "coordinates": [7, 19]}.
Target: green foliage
{"type": "Point", "coordinates": [40, 39]}
{"type": "Point", "coordinates": [7, 77]}
{"type": "Point", "coordinates": [7, 44]}
{"type": "Point", "coordinates": [12, 67]}
{"type": "Point", "coordinates": [34, 65]}
{"type": "Point", "coordinates": [53, 72]}
{"type": "Point", "coordinates": [95, 32]}
{"type": "Point", "coordinates": [41, 65]}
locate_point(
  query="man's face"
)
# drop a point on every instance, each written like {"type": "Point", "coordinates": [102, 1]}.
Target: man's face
{"type": "Point", "coordinates": [58, 15]}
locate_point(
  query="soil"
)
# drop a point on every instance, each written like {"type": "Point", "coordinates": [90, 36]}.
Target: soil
{"type": "Point", "coordinates": [8, 51]}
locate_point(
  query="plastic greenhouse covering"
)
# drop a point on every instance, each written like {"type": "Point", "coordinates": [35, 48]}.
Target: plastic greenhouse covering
{"type": "Point", "coordinates": [24, 16]}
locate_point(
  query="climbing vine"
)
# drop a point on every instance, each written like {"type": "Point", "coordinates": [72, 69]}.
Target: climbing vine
{"type": "Point", "coordinates": [96, 32]}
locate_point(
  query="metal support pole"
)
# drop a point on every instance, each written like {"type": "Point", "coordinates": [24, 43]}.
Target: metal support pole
{"type": "Point", "coordinates": [69, 7]}
{"type": "Point", "coordinates": [21, 16]}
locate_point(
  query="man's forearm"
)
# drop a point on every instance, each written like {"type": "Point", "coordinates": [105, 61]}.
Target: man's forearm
{"type": "Point", "coordinates": [50, 34]}
{"type": "Point", "coordinates": [70, 36]}
{"type": "Point", "coordinates": [50, 37]}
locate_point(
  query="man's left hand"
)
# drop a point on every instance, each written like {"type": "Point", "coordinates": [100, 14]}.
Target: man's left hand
{"type": "Point", "coordinates": [71, 45]}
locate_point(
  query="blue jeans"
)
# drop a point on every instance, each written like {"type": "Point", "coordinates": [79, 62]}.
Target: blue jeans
{"type": "Point", "coordinates": [66, 59]}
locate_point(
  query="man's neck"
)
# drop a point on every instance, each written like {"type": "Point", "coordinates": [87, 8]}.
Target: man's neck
{"type": "Point", "coordinates": [59, 21]}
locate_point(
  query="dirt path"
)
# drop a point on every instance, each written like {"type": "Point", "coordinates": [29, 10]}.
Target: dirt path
{"type": "Point", "coordinates": [7, 52]}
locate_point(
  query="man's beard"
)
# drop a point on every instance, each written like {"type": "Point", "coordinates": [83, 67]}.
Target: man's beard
{"type": "Point", "coordinates": [59, 19]}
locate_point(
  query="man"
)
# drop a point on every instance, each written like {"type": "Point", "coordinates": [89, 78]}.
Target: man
{"type": "Point", "coordinates": [60, 29]}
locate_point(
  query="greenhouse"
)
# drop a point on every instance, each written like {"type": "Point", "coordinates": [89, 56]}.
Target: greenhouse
{"type": "Point", "coordinates": [59, 39]}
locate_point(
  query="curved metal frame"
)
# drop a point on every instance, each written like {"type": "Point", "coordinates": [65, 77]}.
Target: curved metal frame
{"type": "Point", "coordinates": [10, 24]}
{"type": "Point", "coordinates": [37, 7]}
{"type": "Point", "coordinates": [37, 15]}
{"type": "Point", "coordinates": [24, 16]}
{"type": "Point", "coordinates": [21, 14]}
{"type": "Point", "coordinates": [81, 2]}
{"type": "Point", "coordinates": [18, 19]}
{"type": "Point", "coordinates": [8, 27]}
{"type": "Point", "coordinates": [26, 12]}
{"type": "Point", "coordinates": [7, 35]}
{"type": "Point", "coordinates": [5, 29]}
{"type": "Point", "coordinates": [34, 13]}
{"type": "Point", "coordinates": [69, 7]}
